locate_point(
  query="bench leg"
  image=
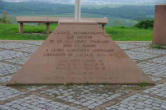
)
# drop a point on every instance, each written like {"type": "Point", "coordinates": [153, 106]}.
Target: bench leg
{"type": "Point", "coordinates": [21, 28]}
{"type": "Point", "coordinates": [103, 26]}
{"type": "Point", "coordinates": [47, 28]}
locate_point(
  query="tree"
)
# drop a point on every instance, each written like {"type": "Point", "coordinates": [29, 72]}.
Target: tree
{"type": "Point", "coordinates": [145, 24]}
{"type": "Point", "coordinates": [4, 18]}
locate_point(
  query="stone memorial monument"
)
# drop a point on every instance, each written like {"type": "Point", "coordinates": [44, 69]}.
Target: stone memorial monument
{"type": "Point", "coordinates": [159, 37]}
{"type": "Point", "coordinates": [79, 52]}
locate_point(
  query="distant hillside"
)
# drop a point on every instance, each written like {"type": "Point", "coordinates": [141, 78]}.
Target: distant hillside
{"type": "Point", "coordinates": [122, 15]}
{"type": "Point", "coordinates": [1, 5]}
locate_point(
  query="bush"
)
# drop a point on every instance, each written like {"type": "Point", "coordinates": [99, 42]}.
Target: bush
{"type": "Point", "coordinates": [4, 18]}
{"type": "Point", "coordinates": [145, 24]}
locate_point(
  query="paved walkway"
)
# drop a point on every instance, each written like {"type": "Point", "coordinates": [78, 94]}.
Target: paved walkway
{"type": "Point", "coordinates": [83, 97]}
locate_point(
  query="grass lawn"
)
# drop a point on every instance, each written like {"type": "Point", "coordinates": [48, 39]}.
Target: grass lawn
{"type": "Point", "coordinates": [129, 34]}
{"type": "Point", "coordinates": [10, 32]}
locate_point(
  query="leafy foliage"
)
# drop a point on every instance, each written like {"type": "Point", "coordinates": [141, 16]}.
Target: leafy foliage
{"type": "Point", "coordinates": [4, 18]}
{"type": "Point", "coordinates": [156, 46]}
{"type": "Point", "coordinates": [145, 24]}
{"type": "Point", "coordinates": [143, 84]}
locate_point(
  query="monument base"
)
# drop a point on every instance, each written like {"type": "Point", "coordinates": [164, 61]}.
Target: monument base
{"type": "Point", "coordinates": [79, 53]}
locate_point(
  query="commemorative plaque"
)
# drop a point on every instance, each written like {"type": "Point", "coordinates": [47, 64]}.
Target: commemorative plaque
{"type": "Point", "coordinates": [79, 53]}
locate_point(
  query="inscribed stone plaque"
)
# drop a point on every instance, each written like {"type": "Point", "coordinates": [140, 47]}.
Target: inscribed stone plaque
{"type": "Point", "coordinates": [79, 53]}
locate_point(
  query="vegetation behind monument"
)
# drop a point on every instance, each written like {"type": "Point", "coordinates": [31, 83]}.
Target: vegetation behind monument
{"type": "Point", "coordinates": [127, 15]}
{"type": "Point", "coordinates": [4, 18]}
{"type": "Point", "coordinates": [145, 24]}
{"type": "Point", "coordinates": [118, 16]}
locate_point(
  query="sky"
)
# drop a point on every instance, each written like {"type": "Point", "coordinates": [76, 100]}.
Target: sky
{"type": "Point", "coordinates": [98, 1]}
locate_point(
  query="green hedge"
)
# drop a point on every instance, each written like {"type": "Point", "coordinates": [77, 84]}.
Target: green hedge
{"type": "Point", "coordinates": [145, 24]}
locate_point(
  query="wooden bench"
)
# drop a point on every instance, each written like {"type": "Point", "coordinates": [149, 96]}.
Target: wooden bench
{"type": "Point", "coordinates": [48, 20]}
